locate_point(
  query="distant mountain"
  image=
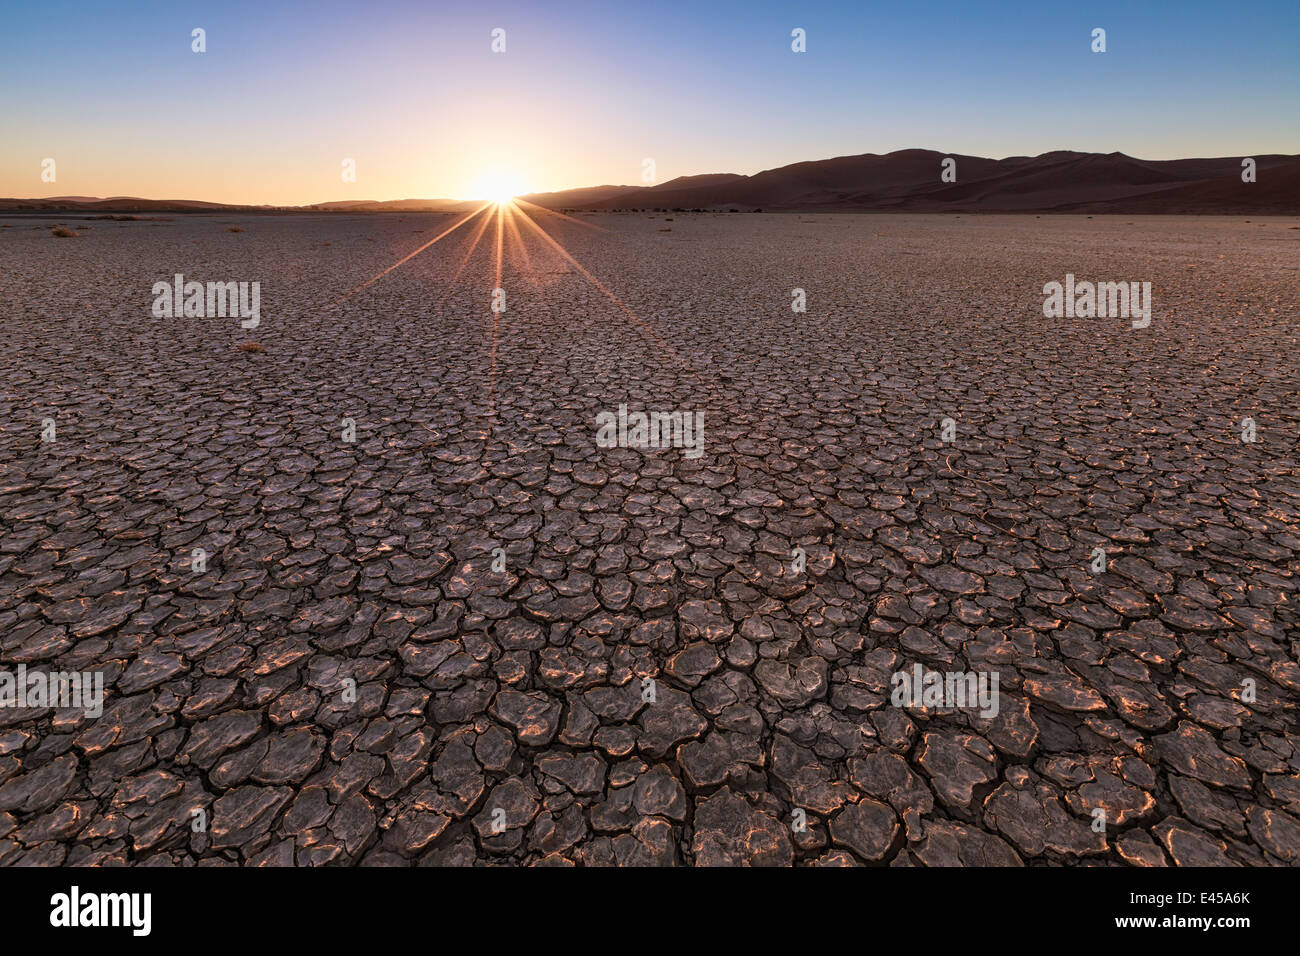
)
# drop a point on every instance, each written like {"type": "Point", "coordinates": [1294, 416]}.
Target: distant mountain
{"type": "Point", "coordinates": [134, 204]}
{"type": "Point", "coordinates": [909, 181]}
{"type": "Point", "coordinates": [121, 204]}
{"type": "Point", "coordinates": [395, 205]}
{"type": "Point", "coordinates": [904, 181]}
{"type": "Point", "coordinates": [578, 197]}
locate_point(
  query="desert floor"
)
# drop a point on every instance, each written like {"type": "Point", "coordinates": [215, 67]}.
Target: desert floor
{"type": "Point", "coordinates": [651, 679]}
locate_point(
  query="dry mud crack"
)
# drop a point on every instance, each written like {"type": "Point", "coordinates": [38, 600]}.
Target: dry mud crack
{"type": "Point", "coordinates": [473, 637]}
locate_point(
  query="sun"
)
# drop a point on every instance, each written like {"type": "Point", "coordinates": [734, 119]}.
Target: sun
{"type": "Point", "coordinates": [497, 185]}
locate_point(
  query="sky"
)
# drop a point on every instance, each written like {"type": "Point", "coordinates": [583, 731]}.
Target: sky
{"type": "Point", "coordinates": [411, 91]}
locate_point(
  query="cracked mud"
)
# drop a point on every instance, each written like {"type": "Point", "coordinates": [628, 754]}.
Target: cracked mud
{"type": "Point", "coordinates": [352, 679]}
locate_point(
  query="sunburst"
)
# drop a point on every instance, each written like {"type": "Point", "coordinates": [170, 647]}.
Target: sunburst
{"type": "Point", "coordinates": [503, 217]}
{"type": "Point", "coordinates": [498, 186]}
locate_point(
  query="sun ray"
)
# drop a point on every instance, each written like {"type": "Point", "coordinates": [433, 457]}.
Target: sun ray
{"type": "Point", "coordinates": [496, 327]}
{"type": "Point", "coordinates": [517, 240]}
{"type": "Point", "coordinates": [668, 347]}
{"type": "Point", "coordinates": [500, 236]}
{"type": "Point", "coordinates": [589, 225]}
{"type": "Point", "coordinates": [464, 260]}
{"type": "Point", "coordinates": [406, 258]}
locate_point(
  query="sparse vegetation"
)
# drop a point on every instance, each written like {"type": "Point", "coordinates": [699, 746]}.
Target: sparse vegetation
{"type": "Point", "coordinates": [64, 233]}
{"type": "Point", "coordinates": [250, 347]}
{"type": "Point", "coordinates": [234, 229]}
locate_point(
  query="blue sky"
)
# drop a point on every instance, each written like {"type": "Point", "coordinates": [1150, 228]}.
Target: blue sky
{"type": "Point", "coordinates": [586, 91]}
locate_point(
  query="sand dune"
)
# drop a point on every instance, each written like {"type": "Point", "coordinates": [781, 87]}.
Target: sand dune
{"type": "Point", "coordinates": [909, 180]}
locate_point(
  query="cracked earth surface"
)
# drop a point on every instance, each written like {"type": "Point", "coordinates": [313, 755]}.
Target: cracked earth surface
{"type": "Point", "coordinates": [369, 564]}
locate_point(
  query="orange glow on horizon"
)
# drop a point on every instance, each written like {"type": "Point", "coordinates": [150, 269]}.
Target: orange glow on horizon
{"type": "Point", "coordinates": [497, 185]}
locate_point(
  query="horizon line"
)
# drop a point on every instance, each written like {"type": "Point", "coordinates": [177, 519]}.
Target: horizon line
{"type": "Point", "coordinates": [629, 186]}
